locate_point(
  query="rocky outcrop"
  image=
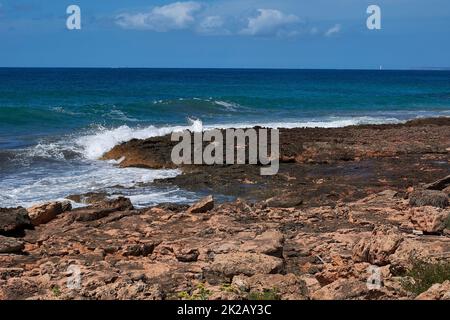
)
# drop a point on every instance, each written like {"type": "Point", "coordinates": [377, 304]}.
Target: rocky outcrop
{"type": "Point", "coordinates": [378, 247]}
{"type": "Point", "coordinates": [226, 266]}
{"type": "Point", "coordinates": [342, 289]}
{"type": "Point", "coordinates": [102, 209]}
{"type": "Point", "coordinates": [202, 206]}
{"type": "Point", "coordinates": [429, 219]}
{"type": "Point", "coordinates": [236, 250]}
{"type": "Point", "coordinates": [43, 213]}
{"type": "Point", "coordinates": [269, 242]}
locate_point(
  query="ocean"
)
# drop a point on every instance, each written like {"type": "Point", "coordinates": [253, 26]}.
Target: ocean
{"type": "Point", "coordinates": [56, 123]}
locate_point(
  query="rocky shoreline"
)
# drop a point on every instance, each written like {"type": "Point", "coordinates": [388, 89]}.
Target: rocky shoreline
{"type": "Point", "coordinates": [355, 213]}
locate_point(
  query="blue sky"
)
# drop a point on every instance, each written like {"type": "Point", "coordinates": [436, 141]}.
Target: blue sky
{"type": "Point", "coordinates": [225, 33]}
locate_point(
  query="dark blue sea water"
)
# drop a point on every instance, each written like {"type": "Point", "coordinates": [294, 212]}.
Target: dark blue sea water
{"type": "Point", "coordinates": [55, 123]}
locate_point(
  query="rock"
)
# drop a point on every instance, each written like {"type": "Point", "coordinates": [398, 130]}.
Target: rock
{"type": "Point", "coordinates": [10, 245]}
{"type": "Point", "coordinates": [13, 220]}
{"type": "Point", "coordinates": [269, 242]}
{"type": "Point", "coordinates": [187, 255]}
{"type": "Point", "coordinates": [139, 250]}
{"type": "Point", "coordinates": [429, 219]}
{"type": "Point", "coordinates": [88, 198]}
{"type": "Point", "coordinates": [202, 206]}
{"type": "Point", "coordinates": [433, 198]}
{"type": "Point", "coordinates": [342, 289]}
{"type": "Point", "coordinates": [102, 209]}
{"type": "Point", "coordinates": [439, 184]}
{"type": "Point", "coordinates": [438, 291]}
{"type": "Point", "coordinates": [311, 284]}
{"type": "Point", "coordinates": [376, 250]}
{"type": "Point", "coordinates": [284, 202]}
{"type": "Point", "coordinates": [43, 213]}
{"type": "Point", "coordinates": [118, 204]}
{"type": "Point", "coordinates": [226, 266]}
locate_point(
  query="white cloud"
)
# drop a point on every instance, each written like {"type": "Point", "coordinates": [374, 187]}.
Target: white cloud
{"type": "Point", "coordinates": [174, 16]}
{"type": "Point", "coordinates": [212, 25]}
{"type": "Point", "coordinates": [270, 22]}
{"type": "Point", "coordinates": [333, 30]}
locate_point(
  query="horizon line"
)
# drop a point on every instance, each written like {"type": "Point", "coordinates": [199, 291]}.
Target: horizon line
{"type": "Point", "coordinates": [238, 68]}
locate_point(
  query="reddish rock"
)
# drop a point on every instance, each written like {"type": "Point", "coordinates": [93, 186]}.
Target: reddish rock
{"type": "Point", "coordinates": [226, 266]}
{"type": "Point", "coordinates": [378, 247]}
{"type": "Point", "coordinates": [202, 206]}
{"type": "Point", "coordinates": [429, 219]}
{"type": "Point", "coordinates": [438, 291]}
{"type": "Point", "coordinates": [43, 213]}
{"type": "Point", "coordinates": [342, 289]}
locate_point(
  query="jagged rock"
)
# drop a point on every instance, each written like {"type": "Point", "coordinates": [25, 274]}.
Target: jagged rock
{"type": "Point", "coordinates": [342, 289]}
{"type": "Point", "coordinates": [202, 206]}
{"type": "Point", "coordinates": [269, 242]}
{"type": "Point", "coordinates": [376, 250]}
{"type": "Point", "coordinates": [311, 284]}
{"type": "Point", "coordinates": [438, 291]}
{"type": "Point", "coordinates": [429, 219]}
{"type": "Point", "coordinates": [439, 184]}
{"type": "Point", "coordinates": [13, 220]}
{"type": "Point", "coordinates": [226, 266]}
{"type": "Point", "coordinates": [10, 245]}
{"type": "Point", "coordinates": [432, 198]}
{"type": "Point", "coordinates": [102, 209]}
{"type": "Point", "coordinates": [43, 213]}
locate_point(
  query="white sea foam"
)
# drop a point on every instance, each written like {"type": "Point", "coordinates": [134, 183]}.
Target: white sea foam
{"type": "Point", "coordinates": [95, 145]}
{"type": "Point", "coordinates": [38, 185]}
{"type": "Point", "coordinates": [228, 105]}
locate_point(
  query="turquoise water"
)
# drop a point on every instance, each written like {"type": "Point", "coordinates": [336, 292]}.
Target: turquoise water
{"type": "Point", "coordinates": [55, 123]}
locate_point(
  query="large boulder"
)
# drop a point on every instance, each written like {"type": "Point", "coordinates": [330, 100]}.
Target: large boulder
{"type": "Point", "coordinates": [429, 219]}
{"type": "Point", "coordinates": [226, 266]}
{"type": "Point", "coordinates": [204, 205]}
{"type": "Point", "coordinates": [10, 245]}
{"type": "Point", "coordinates": [432, 198]}
{"type": "Point", "coordinates": [43, 213]}
{"type": "Point", "coordinates": [13, 220]}
{"type": "Point", "coordinates": [378, 247]}
{"type": "Point", "coordinates": [269, 242]}
{"type": "Point", "coordinates": [342, 289]}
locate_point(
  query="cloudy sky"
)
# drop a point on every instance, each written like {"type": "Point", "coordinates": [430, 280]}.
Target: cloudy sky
{"type": "Point", "coordinates": [226, 33]}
